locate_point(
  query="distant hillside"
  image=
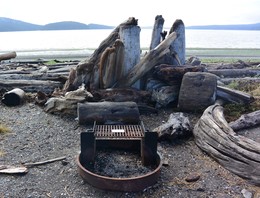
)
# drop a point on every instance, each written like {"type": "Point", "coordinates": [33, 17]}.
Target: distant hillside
{"type": "Point", "coordinates": [65, 25]}
{"type": "Point", "coordinates": [255, 26]}
{"type": "Point", "coordinates": [7, 25]}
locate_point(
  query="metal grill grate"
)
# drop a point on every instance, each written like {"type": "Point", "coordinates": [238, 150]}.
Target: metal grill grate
{"type": "Point", "coordinates": [118, 131]}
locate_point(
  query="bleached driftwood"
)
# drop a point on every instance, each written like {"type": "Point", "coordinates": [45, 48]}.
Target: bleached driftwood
{"type": "Point", "coordinates": [234, 96]}
{"type": "Point", "coordinates": [246, 121]}
{"type": "Point", "coordinates": [13, 169]}
{"type": "Point", "coordinates": [177, 126]}
{"type": "Point", "coordinates": [147, 63]}
{"type": "Point", "coordinates": [236, 153]}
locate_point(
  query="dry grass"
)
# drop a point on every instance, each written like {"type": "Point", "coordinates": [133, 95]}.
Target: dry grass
{"type": "Point", "coordinates": [4, 129]}
{"type": "Point", "coordinates": [2, 153]}
{"type": "Point", "coordinates": [234, 111]}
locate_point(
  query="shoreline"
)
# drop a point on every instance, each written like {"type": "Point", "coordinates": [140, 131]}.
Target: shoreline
{"type": "Point", "coordinates": [206, 54]}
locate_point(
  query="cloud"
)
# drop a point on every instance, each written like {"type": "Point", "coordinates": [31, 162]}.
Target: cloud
{"type": "Point", "coordinates": [113, 12]}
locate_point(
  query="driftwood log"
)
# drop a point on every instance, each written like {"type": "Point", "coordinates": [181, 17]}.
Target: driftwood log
{"type": "Point", "coordinates": [178, 47]}
{"type": "Point", "coordinates": [236, 153]}
{"type": "Point", "coordinates": [177, 126]}
{"type": "Point", "coordinates": [157, 30]}
{"type": "Point", "coordinates": [103, 112]}
{"type": "Point", "coordinates": [31, 85]}
{"type": "Point", "coordinates": [246, 121]}
{"type": "Point", "coordinates": [172, 75]}
{"type": "Point", "coordinates": [234, 96]}
{"type": "Point", "coordinates": [7, 56]}
{"type": "Point", "coordinates": [235, 73]}
{"type": "Point", "coordinates": [122, 95]}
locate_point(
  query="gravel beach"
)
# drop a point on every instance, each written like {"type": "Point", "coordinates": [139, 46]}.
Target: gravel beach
{"type": "Point", "coordinates": [37, 136]}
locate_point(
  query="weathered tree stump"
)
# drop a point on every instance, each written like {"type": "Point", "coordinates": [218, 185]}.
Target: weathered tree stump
{"type": "Point", "coordinates": [147, 63]}
{"type": "Point", "coordinates": [157, 30]}
{"type": "Point", "coordinates": [198, 91]}
{"type": "Point", "coordinates": [130, 35]}
{"type": "Point", "coordinates": [177, 53]}
{"type": "Point", "coordinates": [87, 71]}
{"type": "Point", "coordinates": [236, 153]}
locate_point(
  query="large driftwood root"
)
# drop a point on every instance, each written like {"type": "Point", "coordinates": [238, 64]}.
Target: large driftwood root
{"type": "Point", "coordinates": [236, 153]}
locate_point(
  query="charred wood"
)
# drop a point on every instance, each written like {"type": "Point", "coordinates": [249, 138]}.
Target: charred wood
{"type": "Point", "coordinates": [105, 112]}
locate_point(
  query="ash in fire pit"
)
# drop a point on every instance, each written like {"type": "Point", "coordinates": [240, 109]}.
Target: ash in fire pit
{"type": "Point", "coordinates": [125, 160]}
{"type": "Point", "coordinates": [119, 164]}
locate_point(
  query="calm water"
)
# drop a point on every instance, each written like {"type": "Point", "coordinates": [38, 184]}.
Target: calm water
{"type": "Point", "coordinates": [72, 42]}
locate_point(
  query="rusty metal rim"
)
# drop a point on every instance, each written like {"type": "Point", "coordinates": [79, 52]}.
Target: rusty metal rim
{"type": "Point", "coordinates": [130, 184]}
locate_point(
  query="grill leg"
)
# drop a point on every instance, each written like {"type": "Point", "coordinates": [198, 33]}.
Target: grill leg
{"type": "Point", "coordinates": [88, 148]}
{"type": "Point", "coordinates": [149, 149]}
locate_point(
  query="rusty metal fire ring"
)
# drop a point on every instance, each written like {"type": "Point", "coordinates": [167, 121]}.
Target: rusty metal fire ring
{"type": "Point", "coordinates": [132, 184]}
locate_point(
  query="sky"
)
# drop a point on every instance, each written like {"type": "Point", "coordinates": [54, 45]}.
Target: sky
{"type": "Point", "coordinates": [114, 12]}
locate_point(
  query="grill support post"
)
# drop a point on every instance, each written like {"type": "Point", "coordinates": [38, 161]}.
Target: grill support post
{"type": "Point", "coordinates": [88, 148]}
{"type": "Point", "coordinates": [149, 148]}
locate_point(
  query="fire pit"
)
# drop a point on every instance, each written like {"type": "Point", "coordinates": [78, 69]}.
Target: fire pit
{"type": "Point", "coordinates": [130, 138]}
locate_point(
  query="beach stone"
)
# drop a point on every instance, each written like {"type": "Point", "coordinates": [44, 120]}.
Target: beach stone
{"type": "Point", "coordinates": [198, 91]}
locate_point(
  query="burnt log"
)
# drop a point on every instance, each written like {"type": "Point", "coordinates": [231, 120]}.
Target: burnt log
{"type": "Point", "coordinates": [236, 153]}
{"type": "Point", "coordinates": [177, 126]}
{"type": "Point", "coordinates": [122, 95]}
{"type": "Point", "coordinates": [14, 97]}
{"type": "Point", "coordinates": [233, 96]}
{"type": "Point", "coordinates": [165, 95]}
{"type": "Point", "coordinates": [249, 120]}
{"type": "Point", "coordinates": [173, 75]}
{"type": "Point", "coordinates": [7, 56]}
{"type": "Point", "coordinates": [107, 112]}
